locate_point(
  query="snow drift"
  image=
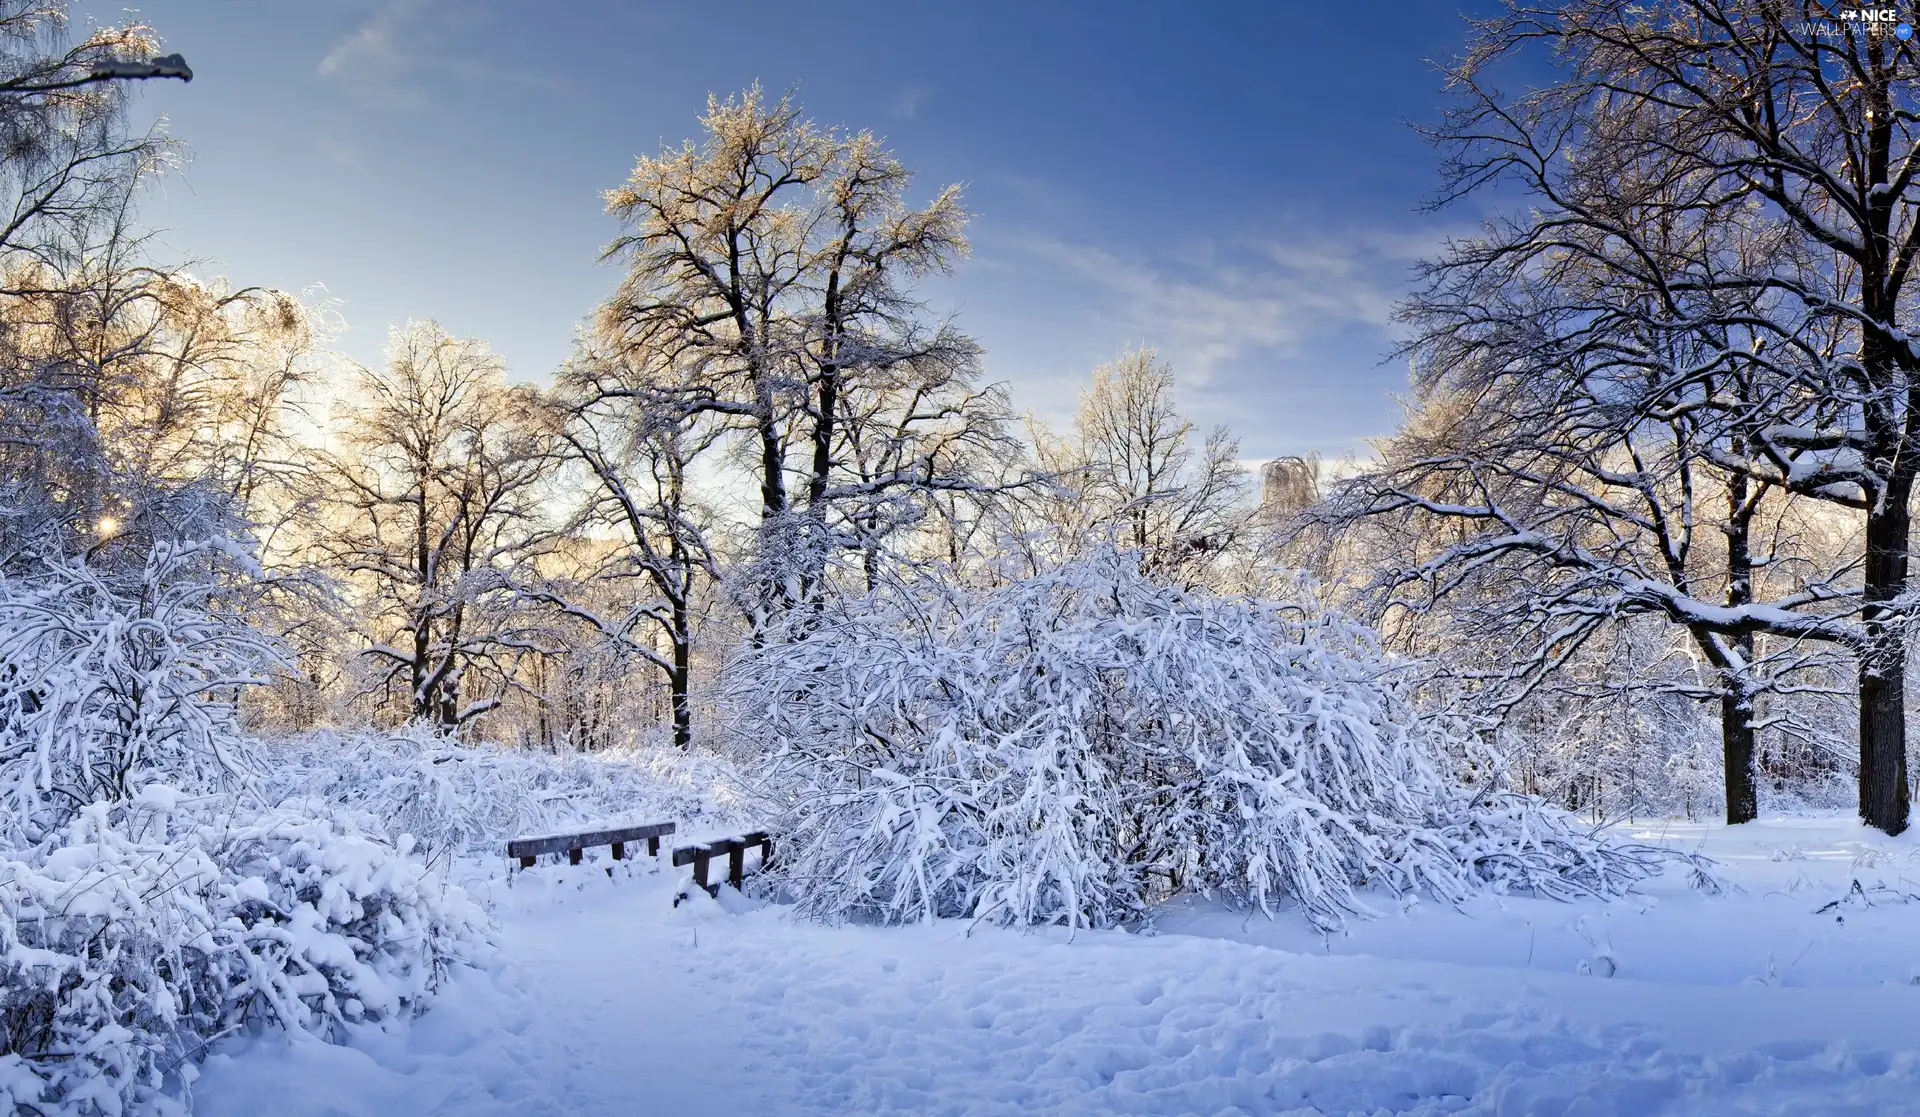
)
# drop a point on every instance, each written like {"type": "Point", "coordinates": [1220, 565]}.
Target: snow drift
{"type": "Point", "coordinates": [1075, 747]}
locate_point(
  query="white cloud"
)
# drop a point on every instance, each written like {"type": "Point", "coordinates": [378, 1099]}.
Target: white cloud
{"type": "Point", "coordinates": [1212, 303]}
{"type": "Point", "coordinates": [407, 47]}
{"type": "Point", "coordinates": [375, 60]}
{"type": "Point", "coordinates": [1282, 336]}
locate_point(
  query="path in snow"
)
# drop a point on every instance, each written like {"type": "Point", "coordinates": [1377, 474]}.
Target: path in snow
{"type": "Point", "coordinates": [616, 1003]}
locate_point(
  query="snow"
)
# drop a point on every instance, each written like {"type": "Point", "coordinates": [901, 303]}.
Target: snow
{"type": "Point", "coordinates": [611, 1000]}
{"type": "Point", "coordinates": [1075, 746]}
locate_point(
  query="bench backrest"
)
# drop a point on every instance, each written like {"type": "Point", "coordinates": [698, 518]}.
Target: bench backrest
{"type": "Point", "coordinates": [562, 843]}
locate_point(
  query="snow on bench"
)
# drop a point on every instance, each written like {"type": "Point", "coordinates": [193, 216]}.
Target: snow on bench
{"type": "Point", "coordinates": [526, 849]}
{"type": "Point", "coordinates": [736, 851]}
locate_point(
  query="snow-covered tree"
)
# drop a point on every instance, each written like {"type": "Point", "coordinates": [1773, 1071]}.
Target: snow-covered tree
{"type": "Point", "coordinates": [121, 379]}
{"type": "Point", "coordinates": [1788, 139]}
{"type": "Point", "coordinates": [1644, 395]}
{"type": "Point", "coordinates": [769, 295]}
{"type": "Point", "coordinates": [154, 902]}
{"type": "Point", "coordinates": [646, 548]}
{"type": "Point", "coordinates": [1287, 485]}
{"type": "Point", "coordinates": [119, 677]}
{"type": "Point", "coordinates": [431, 507]}
{"type": "Point", "coordinates": [1579, 489]}
{"type": "Point", "coordinates": [173, 381]}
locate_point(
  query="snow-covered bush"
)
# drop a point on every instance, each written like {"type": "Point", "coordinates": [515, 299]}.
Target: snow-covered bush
{"type": "Point", "coordinates": [113, 677]}
{"type": "Point", "coordinates": [141, 931]}
{"type": "Point", "coordinates": [1073, 747]}
{"type": "Point", "coordinates": [451, 799]}
{"type": "Point", "coordinates": [155, 892]}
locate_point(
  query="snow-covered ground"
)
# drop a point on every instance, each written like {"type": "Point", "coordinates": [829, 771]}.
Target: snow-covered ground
{"type": "Point", "coordinates": [1794, 993]}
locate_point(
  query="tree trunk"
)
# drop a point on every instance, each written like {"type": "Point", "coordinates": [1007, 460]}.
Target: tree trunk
{"type": "Point", "coordinates": [1736, 744]}
{"type": "Point", "coordinates": [773, 487]}
{"type": "Point", "coordinates": [682, 677]}
{"type": "Point", "coordinates": [1883, 723]}
{"type": "Point", "coordinates": [814, 569]}
{"type": "Point", "coordinates": [419, 702]}
{"type": "Point", "coordinates": [1736, 697]}
{"type": "Point", "coordinates": [776, 535]}
{"type": "Point", "coordinates": [829, 396]}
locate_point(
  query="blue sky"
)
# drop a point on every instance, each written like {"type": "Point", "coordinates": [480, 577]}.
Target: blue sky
{"type": "Point", "coordinates": [1235, 184]}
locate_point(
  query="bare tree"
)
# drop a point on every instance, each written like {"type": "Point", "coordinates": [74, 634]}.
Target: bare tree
{"type": "Point", "coordinates": [916, 443]}
{"type": "Point", "coordinates": [179, 378]}
{"type": "Point", "coordinates": [1737, 177]}
{"type": "Point", "coordinates": [1287, 485]}
{"type": "Point", "coordinates": [638, 460]}
{"type": "Point", "coordinates": [769, 294]}
{"type": "Point", "coordinates": [1134, 469]}
{"type": "Point", "coordinates": [65, 151]}
{"type": "Point", "coordinates": [1570, 463]}
{"type": "Point", "coordinates": [69, 167]}
{"type": "Point", "coordinates": [431, 505]}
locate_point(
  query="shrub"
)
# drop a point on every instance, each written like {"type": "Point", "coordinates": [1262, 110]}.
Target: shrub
{"type": "Point", "coordinates": [142, 931]}
{"type": "Point", "coordinates": [1074, 747]}
{"type": "Point", "coordinates": [111, 677]}
{"type": "Point", "coordinates": [143, 913]}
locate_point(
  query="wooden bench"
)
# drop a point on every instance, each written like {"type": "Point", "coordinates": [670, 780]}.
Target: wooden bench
{"type": "Point", "coordinates": [526, 849]}
{"type": "Point", "coordinates": [736, 852]}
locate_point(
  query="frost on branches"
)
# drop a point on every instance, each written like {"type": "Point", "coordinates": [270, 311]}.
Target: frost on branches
{"type": "Point", "coordinates": [143, 931]}
{"type": "Point", "coordinates": [153, 895]}
{"type": "Point", "coordinates": [110, 677]}
{"type": "Point", "coordinates": [1075, 747]}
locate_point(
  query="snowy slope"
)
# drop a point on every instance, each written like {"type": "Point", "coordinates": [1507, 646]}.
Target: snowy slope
{"type": "Point", "coordinates": [617, 1003]}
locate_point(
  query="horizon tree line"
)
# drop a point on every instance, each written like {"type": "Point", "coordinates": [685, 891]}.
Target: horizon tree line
{"type": "Point", "coordinates": [1660, 468]}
